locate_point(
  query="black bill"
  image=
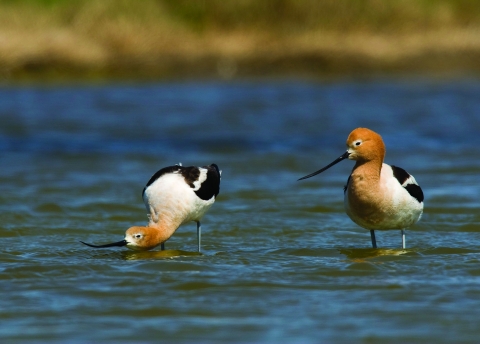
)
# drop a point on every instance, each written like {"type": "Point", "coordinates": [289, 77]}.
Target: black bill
{"type": "Point", "coordinates": [336, 161]}
{"type": "Point", "coordinates": [120, 243]}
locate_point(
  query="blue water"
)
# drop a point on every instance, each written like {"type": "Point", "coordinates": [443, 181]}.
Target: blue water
{"type": "Point", "coordinates": [281, 261]}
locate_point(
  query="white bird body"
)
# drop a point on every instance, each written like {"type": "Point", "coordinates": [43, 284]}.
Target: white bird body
{"type": "Point", "coordinates": [170, 200]}
{"type": "Point", "coordinates": [173, 196]}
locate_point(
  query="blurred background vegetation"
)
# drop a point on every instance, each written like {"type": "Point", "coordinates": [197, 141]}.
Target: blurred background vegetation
{"type": "Point", "coordinates": [176, 38]}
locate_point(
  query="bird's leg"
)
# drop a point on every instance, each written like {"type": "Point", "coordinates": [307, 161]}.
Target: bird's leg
{"type": "Point", "coordinates": [199, 234]}
{"type": "Point", "coordinates": [374, 241]}
{"type": "Point", "coordinates": [403, 238]}
{"type": "Point", "coordinates": [162, 246]}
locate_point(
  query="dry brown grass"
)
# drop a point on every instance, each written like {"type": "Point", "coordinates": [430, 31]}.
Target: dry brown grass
{"type": "Point", "coordinates": [155, 38]}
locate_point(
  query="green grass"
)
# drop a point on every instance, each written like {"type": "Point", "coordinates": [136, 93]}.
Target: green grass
{"type": "Point", "coordinates": [275, 15]}
{"type": "Point", "coordinates": [338, 15]}
{"type": "Point", "coordinates": [86, 35]}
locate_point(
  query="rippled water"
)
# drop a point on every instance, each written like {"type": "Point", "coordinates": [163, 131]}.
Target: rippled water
{"type": "Point", "coordinates": [281, 261]}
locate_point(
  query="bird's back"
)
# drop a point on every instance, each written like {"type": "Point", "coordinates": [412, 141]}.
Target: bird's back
{"type": "Point", "coordinates": [179, 194]}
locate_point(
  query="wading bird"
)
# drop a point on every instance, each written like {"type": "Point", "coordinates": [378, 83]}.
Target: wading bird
{"type": "Point", "coordinates": [377, 195]}
{"type": "Point", "coordinates": [173, 196]}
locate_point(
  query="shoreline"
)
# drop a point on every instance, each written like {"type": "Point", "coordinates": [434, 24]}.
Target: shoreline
{"type": "Point", "coordinates": [102, 40]}
{"type": "Point", "coordinates": [316, 56]}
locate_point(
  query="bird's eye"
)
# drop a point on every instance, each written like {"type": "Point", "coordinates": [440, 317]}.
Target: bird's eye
{"type": "Point", "coordinates": [358, 143]}
{"type": "Point", "coordinates": [138, 236]}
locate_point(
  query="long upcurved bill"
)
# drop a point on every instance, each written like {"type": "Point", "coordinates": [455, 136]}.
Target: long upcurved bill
{"type": "Point", "coordinates": [336, 161]}
{"type": "Point", "coordinates": [120, 243]}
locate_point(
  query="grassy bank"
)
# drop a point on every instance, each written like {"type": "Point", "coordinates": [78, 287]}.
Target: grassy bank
{"type": "Point", "coordinates": [169, 38]}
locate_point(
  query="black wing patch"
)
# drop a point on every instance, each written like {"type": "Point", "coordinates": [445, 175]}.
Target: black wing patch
{"type": "Point", "coordinates": [400, 174]}
{"type": "Point", "coordinates": [210, 186]}
{"type": "Point", "coordinates": [191, 175]}
{"type": "Point", "coordinates": [413, 189]}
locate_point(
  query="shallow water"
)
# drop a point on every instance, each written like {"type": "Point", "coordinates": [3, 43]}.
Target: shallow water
{"type": "Point", "coordinates": [281, 261]}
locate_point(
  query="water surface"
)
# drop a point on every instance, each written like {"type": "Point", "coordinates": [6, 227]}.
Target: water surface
{"type": "Point", "coordinates": [281, 261]}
